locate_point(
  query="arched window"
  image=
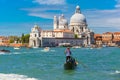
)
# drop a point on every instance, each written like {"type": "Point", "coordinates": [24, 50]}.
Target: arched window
{"type": "Point", "coordinates": [35, 35]}
{"type": "Point", "coordinates": [39, 35]}
{"type": "Point", "coordinates": [82, 29]}
{"type": "Point", "coordinates": [73, 29]}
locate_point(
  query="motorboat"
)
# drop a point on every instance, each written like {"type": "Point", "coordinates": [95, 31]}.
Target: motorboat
{"type": "Point", "coordinates": [76, 47]}
{"type": "Point", "coordinates": [5, 51]}
{"type": "Point", "coordinates": [16, 47]}
{"type": "Point", "coordinates": [46, 49]}
{"type": "Point", "coordinates": [70, 64]}
{"type": "Point", "coordinates": [35, 47]}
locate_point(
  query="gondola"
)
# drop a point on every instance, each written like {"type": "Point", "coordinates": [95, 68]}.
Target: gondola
{"type": "Point", "coordinates": [5, 51]}
{"type": "Point", "coordinates": [70, 64]}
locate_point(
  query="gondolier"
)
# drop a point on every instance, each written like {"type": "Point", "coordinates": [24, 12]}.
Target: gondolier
{"type": "Point", "coordinates": [68, 54]}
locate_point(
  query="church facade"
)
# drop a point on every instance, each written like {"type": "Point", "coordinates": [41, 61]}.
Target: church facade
{"type": "Point", "coordinates": [76, 33]}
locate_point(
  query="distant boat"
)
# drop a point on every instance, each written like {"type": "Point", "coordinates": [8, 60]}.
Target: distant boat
{"type": "Point", "coordinates": [118, 72]}
{"type": "Point", "coordinates": [76, 47]}
{"type": "Point", "coordinates": [64, 45]}
{"type": "Point", "coordinates": [35, 47]}
{"type": "Point", "coordinates": [16, 47]}
{"type": "Point", "coordinates": [104, 45]}
{"type": "Point", "coordinates": [5, 51]}
{"type": "Point", "coordinates": [46, 49]}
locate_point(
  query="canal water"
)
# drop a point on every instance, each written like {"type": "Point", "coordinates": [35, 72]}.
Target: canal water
{"type": "Point", "coordinates": [36, 64]}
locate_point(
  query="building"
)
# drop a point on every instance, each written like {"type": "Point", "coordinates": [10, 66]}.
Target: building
{"type": "Point", "coordinates": [98, 40]}
{"type": "Point", "coordinates": [108, 39]}
{"type": "Point", "coordinates": [116, 38]}
{"type": "Point", "coordinates": [63, 33]}
{"type": "Point", "coordinates": [4, 41]}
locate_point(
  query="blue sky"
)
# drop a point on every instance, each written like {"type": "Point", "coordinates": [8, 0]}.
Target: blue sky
{"type": "Point", "coordinates": [19, 16]}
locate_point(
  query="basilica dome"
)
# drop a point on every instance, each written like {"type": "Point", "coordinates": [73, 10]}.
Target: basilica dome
{"type": "Point", "coordinates": [77, 18]}
{"type": "Point", "coordinates": [62, 20]}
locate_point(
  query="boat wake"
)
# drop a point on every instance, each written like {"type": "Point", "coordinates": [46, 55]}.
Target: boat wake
{"type": "Point", "coordinates": [116, 72]}
{"type": "Point", "coordinates": [3, 53]}
{"type": "Point", "coordinates": [14, 77]}
{"type": "Point", "coordinates": [47, 50]}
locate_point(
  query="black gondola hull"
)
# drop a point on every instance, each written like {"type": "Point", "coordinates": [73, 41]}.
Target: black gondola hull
{"type": "Point", "coordinates": [70, 64]}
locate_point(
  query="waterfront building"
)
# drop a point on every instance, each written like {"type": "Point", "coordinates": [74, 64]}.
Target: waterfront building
{"type": "Point", "coordinates": [76, 33]}
{"type": "Point", "coordinates": [98, 40]}
{"type": "Point", "coordinates": [107, 38]}
{"type": "Point", "coordinates": [4, 41]}
{"type": "Point", "coordinates": [116, 38]}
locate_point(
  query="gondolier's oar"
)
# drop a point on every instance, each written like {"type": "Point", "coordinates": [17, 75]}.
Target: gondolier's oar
{"type": "Point", "coordinates": [77, 62]}
{"type": "Point", "coordinates": [85, 66]}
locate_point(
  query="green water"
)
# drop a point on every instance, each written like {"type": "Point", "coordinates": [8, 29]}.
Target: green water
{"type": "Point", "coordinates": [35, 64]}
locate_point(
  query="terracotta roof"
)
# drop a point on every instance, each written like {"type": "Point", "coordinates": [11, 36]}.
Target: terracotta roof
{"type": "Point", "coordinates": [97, 35]}
{"type": "Point", "coordinates": [98, 38]}
{"type": "Point", "coordinates": [63, 30]}
{"type": "Point", "coordinates": [58, 30]}
{"type": "Point", "coordinates": [47, 30]}
{"type": "Point", "coordinates": [108, 33]}
{"type": "Point", "coordinates": [116, 33]}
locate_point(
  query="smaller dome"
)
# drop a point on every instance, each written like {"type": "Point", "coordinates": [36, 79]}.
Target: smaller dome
{"type": "Point", "coordinates": [77, 7]}
{"type": "Point", "coordinates": [62, 15]}
{"type": "Point", "coordinates": [55, 16]}
{"type": "Point", "coordinates": [36, 28]}
{"type": "Point", "coordinates": [63, 22]}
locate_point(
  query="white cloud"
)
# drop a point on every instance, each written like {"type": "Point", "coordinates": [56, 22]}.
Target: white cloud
{"type": "Point", "coordinates": [118, 4]}
{"type": "Point", "coordinates": [101, 19]}
{"type": "Point", "coordinates": [39, 12]}
{"type": "Point", "coordinates": [50, 2]}
{"type": "Point", "coordinates": [117, 0]}
{"type": "Point", "coordinates": [45, 12]}
{"type": "Point", "coordinates": [104, 20]}
{"type": "Point", "coordinates": [43, 15]}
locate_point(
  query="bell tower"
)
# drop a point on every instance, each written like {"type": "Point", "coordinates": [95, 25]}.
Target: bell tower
{"type": "Point", "coordinates": [55, 22]}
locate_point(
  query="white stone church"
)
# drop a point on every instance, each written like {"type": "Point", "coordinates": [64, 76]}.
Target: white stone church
{"type": "Point", "coordinates": [75, 34]}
